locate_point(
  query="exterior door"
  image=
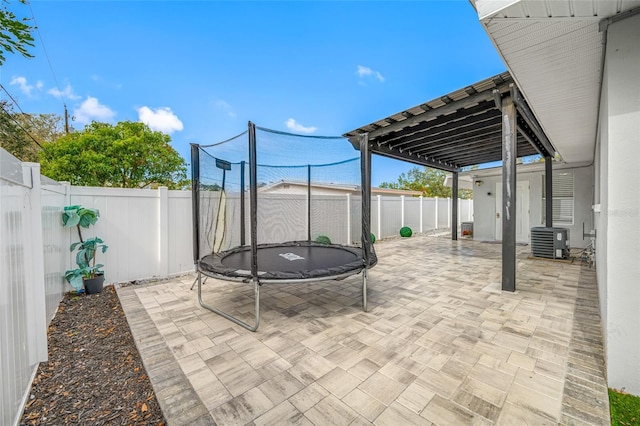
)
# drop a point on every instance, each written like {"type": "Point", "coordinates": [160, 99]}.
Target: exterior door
{"type": "Point", "coordinates": [522, 212]}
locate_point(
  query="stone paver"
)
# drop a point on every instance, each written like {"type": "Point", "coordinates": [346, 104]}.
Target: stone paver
{"type": "Point", "coordinates": [441, 344]}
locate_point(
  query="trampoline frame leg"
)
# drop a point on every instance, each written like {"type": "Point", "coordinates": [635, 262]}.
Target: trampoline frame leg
{"type": "Point", "coordinates": [365, 306]}
{"type": "Point", "coordinates": [256, 290]}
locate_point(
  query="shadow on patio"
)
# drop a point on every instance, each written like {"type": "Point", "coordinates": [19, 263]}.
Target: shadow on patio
{"type": "Point", "coordinates": [441, 344]}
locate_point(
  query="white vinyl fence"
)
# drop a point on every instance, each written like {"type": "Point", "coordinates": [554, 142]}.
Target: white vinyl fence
{"type": "Point", "coordinates": [390, 213]}
{"type": "Point", "coordinates": [33, 247]}
{"type": "Point", "coordinates": [149, 234]}
{"type": "Point", "coordinates": [148, 231]}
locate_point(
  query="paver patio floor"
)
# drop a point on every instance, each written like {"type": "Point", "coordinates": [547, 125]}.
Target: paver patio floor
{"type": "Point", "coordinates": [441, 344]}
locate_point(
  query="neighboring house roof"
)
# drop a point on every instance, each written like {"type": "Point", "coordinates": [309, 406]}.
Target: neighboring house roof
{"type": "Point", "coordinates": [389, 191]}
{"type": "Point", "coordinates": [283, 185]}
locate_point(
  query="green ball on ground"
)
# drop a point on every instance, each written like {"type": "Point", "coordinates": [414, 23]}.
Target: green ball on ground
{"type": "Point", "coordinates": [373, 238]}
{"type": "Point", "coordinates": [405, 232]}
{"type": "Point", "coordinates": [323, 239]}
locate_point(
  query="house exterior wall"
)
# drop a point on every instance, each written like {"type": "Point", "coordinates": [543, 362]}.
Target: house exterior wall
{"type": "Point", "coordinates": [619, 219]}
{"type": "Point", "coordinates": [484, 199]}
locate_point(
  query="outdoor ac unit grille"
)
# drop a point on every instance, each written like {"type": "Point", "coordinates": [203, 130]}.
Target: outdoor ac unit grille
{"type": "Point", "coordinates": [551, 243]}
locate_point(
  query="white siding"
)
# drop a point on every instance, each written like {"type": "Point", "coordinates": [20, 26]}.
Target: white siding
{"type": "Point", "coordinates": [618, 251]}
{"type": "Point", "coordinates": [484, 207]}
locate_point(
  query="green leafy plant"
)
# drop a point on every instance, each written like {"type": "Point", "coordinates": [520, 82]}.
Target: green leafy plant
{"type": "Point", "coordinates": [405, 232]}
{"type": "Point", "coordinates": [80, 217]}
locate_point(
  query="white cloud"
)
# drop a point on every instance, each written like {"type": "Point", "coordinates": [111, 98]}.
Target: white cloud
{"type": "Point", "coordinates": [24, 86]}
{"type": "Point", "coordinates": [366, 72]}
{"type": "Point", "coordinates": [297, 127]}
{"type": "Point", "coordinates": [66, 93]}
{"type": "Point", "coordinates": [91, 109]}
{"type": "Point", "coordinates": [160, 119]}
{"type": "Point", "coordinates": [228, 109]}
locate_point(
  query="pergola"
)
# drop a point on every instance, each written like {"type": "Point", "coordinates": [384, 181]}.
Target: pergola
{"type": "Point", "coordinates": [485, 122]}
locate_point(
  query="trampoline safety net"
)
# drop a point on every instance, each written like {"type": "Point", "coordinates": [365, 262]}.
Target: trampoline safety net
{"type": "Point", "coordinates": [270, 206]}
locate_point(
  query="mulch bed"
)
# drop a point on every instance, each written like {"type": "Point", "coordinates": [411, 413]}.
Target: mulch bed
{"type": "Point", "coordinates": [94, 375]}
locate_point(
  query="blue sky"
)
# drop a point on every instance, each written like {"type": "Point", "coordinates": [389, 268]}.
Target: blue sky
{"type": "Point", "coordinates": [200, 70]}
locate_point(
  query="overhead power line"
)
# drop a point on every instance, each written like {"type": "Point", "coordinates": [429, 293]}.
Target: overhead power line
{"type": "Point", "coordinates": [20, 125]}
{"type": "Point", "coordinates": [46, 54]}
{"type": "Point", "coordinates": [24, 114]}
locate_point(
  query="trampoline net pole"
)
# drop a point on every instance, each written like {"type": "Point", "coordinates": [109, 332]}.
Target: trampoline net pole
{"type": "Point", "coordinates": [309, 202]}
{"type": "Point", "coordinates": [243, 231]}
{"type": "Point", "coordinates": [365, 154]}
{"type": "Point", "coordinates": [195, 202]}
{"type": "Point", "coordinates": [253, 188]}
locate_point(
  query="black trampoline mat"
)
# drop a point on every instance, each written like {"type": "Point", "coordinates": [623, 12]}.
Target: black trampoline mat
{"type": "Point", "coordinates": [297, 260]}
{"type": "Point", "coordinates": [291, 259]}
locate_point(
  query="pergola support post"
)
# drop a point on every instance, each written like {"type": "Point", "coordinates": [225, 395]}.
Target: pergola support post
{"type": "Point", "coordinates": [454, 206]}
{"type": "Point", "coordinates": [548, 191]}
{"type": "Point", "coordinates": [509, 155]}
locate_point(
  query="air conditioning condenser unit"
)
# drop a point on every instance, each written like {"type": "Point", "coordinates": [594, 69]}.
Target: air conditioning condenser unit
{"type": "Point", "coordinates": [550, 243]}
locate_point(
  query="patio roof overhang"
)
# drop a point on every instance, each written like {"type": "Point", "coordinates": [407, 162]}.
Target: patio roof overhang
{"type": "Point", "coordinates": [485, 122]}
{"type": "Point", "coordinates": [457, 130]}
{"type": "Point", "coordinates": [555, 52]}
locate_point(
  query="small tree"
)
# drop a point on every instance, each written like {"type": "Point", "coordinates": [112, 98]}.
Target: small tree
{"type": "Point", "coordinates": [44, 128]}
{"type": "Point", "coordinates": [426, 180]}
{"type": "Point", "coordinates": [126, 155]}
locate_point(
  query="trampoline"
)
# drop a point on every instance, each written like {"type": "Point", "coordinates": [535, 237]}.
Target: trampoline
{"type": "Point", "coordinates": [290, 220]}
{"type": "Point", "coordinates": [294, 261]}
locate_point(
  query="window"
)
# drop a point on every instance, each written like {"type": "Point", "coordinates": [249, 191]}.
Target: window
{"type": "Point", "coordinates": [562, 198]}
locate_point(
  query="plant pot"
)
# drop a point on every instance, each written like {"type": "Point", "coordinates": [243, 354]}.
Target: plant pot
{"type": "Point", "coordinates": [93, 285]}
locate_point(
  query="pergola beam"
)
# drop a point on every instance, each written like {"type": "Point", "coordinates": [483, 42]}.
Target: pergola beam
{"type": "Point", "coordinates": [414, 159]}
{"type": "Point", "coordinates": [433, 113]}
{"type": "Point", "coordinates": [452, 127]}
{"type": "Point", "coordinates": [527, 115]}
{"type": "Point", "coordinates": [438, 121]}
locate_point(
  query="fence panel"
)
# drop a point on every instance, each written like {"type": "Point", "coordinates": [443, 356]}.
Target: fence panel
{"type": "Point", "coordinates": [330, 216]}
{"type": "Point", "coordinates": [55, 244]}
{"type": "Point", "coordinates": [466, 210]}
{"type": "Point", "coordinates": [180, 232]}
{"type": "Point", "coordinates": [429, 214]}
{"type": "Point", "coordinates": [444, 212]}
{"type": "Point", "coordinates": [129, 225]}
{"type": "Point", "coordinates": [23, 318]}
{"type": "Point", "coordinates": [412, 213]}
{"type": "Point", "coordinates": [391, 216]}
{"type": "Point", "coordinates": [376, 226]}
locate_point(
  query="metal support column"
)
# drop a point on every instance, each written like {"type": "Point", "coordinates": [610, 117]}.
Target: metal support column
{"type": "Point", "coordinates": [365, 170]}
{"type": "Point", "coordinates": [509, 155]}
{"type": "Point", "coordinates": [548, 191]}
{"type": "Point", "coordinates": [454, 206]}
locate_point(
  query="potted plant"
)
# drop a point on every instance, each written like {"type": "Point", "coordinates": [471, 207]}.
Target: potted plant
{"type": "Point", "coordinates": [87, 276]}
